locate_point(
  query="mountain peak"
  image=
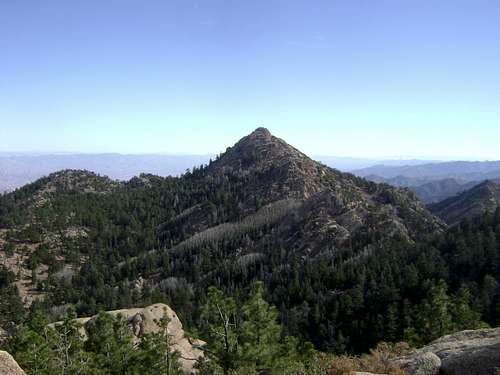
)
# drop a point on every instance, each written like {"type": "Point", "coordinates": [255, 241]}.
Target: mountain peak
{"type": "Point", "coordinates": [260, 138]}
{"type": "Point", "coordinates": [334, 204]}
{"type": "Point", "coordinates": [275, 166]}
{"type": "Point", "coordinates": [261, 132]}
{"type": "Point", "coordinates": [258, 150]}
{"type": "Point", "coordinates": [491, 184]}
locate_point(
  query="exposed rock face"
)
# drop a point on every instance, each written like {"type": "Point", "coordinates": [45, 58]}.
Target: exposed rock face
{"type": "Point", "coordinates": [143, 321]}
{"type": "Point", "coordinates": [8, 365]}
{"type": "Point", "coordinates": [468, 352]}
{"type": "Point", "coordinates": [280, 170]}
{"type": "Point", "coordinates": [421, 363]}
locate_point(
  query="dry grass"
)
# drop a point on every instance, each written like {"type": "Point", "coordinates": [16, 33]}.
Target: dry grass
{"type": "Point", "coordinates": [379, 361]}
{"type": "Point", "coordinates": [341, 366]}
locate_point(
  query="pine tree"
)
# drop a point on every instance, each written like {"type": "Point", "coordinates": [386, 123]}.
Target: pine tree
{"type": "Point", "coordinates": [433, 318]}
{"type": "Point", "coordinates": [70, 357]}
{"type": "Point", "coordinates": [219, 320]}
{"type": "Point", "coordinates": [464, 317]}
{"type": "Point", "coordinates": [260, 331]}
{"type": "Point", "coordinates": [110, 339]}
{"type": "Point", "coordinates": [392, 323]}
{"type": "Point", "coordinates": [156, 355]}
{"type": "Point", "coordinates": [32, 350]}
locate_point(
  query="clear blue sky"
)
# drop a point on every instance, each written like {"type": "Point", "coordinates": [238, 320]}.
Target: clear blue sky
{"type": "Point", "coordinates": [351, 77]}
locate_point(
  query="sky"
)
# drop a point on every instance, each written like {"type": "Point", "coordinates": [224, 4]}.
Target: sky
{"type": "Point", "coordinates": [364, 78]}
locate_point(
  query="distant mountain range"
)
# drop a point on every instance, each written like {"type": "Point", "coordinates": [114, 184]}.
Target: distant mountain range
{"type": "Point", "coordinates": [17, 169]}
{"type": "Point", "coordinates": [459, 170]}
{"type": "Point", "coordinates": [436, 191]}
{"type": "Point", "coordinates": [484, 197]}
{"type": "Point", "coordinates": [431, 181]}
{"type": "Point", "coordinates": [434, 182]}
{"type": "Point", "coordinates": [348, 164]}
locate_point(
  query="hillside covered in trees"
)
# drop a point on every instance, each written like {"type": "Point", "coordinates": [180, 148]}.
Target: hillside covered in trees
{"type": "Point", "coordinates": [340, 263]}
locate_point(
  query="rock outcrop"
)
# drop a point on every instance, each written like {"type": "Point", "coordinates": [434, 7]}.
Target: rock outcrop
{"type": "Point", "coordinates": [420, 363]}
{"type": "Point", "coordinates": [143, 321]}
{"type": "Point", "coordinates": [8, 365]}
{"type": "Point", "coordinates": [468, 352]}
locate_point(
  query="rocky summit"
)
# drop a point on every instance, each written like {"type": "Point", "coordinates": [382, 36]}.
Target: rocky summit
{"type": "Point", "coordinates": [275, 166]}
{"type": "Point", "coordinates": [335, 206]}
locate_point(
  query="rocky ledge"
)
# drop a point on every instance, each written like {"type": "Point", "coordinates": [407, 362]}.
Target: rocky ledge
{"type": "Point", "coordinates": [467, 352]}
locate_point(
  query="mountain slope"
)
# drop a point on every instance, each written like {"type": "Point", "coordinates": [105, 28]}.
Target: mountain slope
{"type": "Point", "coordinates": [274, 165]}
{"type": "Point", "coordinates": [437, 191]}
{"type": "Point", "coordinates": [428, 189]}
{"type": "Point", "coordinates": [319, 239]}
{"type": "Point", "coordinates": [335, 206]}
{"type": "Point", "coordinates": [38, 226]}
{"type": "Point", "coordinates": [261, 183]}
{"type": "Point", "coordinates": [482, 198]}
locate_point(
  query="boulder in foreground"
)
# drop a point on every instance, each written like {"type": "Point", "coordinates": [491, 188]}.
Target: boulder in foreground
{"type": "Point", "coordinates": [468, 352]}
{"type": "Point", "coordinates": [143, 321]}
{"type": "Point", "coordinates": [8, 365]}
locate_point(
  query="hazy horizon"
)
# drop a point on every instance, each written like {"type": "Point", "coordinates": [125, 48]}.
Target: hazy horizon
{"type": "Point", "coordinates": [388, 158]}
{"type": "Point", "coordinates": [367, 79]}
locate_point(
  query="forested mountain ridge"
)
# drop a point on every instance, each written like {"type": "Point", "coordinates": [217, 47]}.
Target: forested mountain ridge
{"type": "Point", "coordinates": [437, 191]}
{"type": "Point", "coordinates": [35, 240]}
{"type": "Point", "coordinates": [279, 169]}
{"type": "Point", "coordinates": [428, 190]}
{"type": "Point", "coordinates": [329, 207]}
{"type": "Point", "coordinates": [347, 262]}
{"type": "Point", "coordinates": [484, 197]}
